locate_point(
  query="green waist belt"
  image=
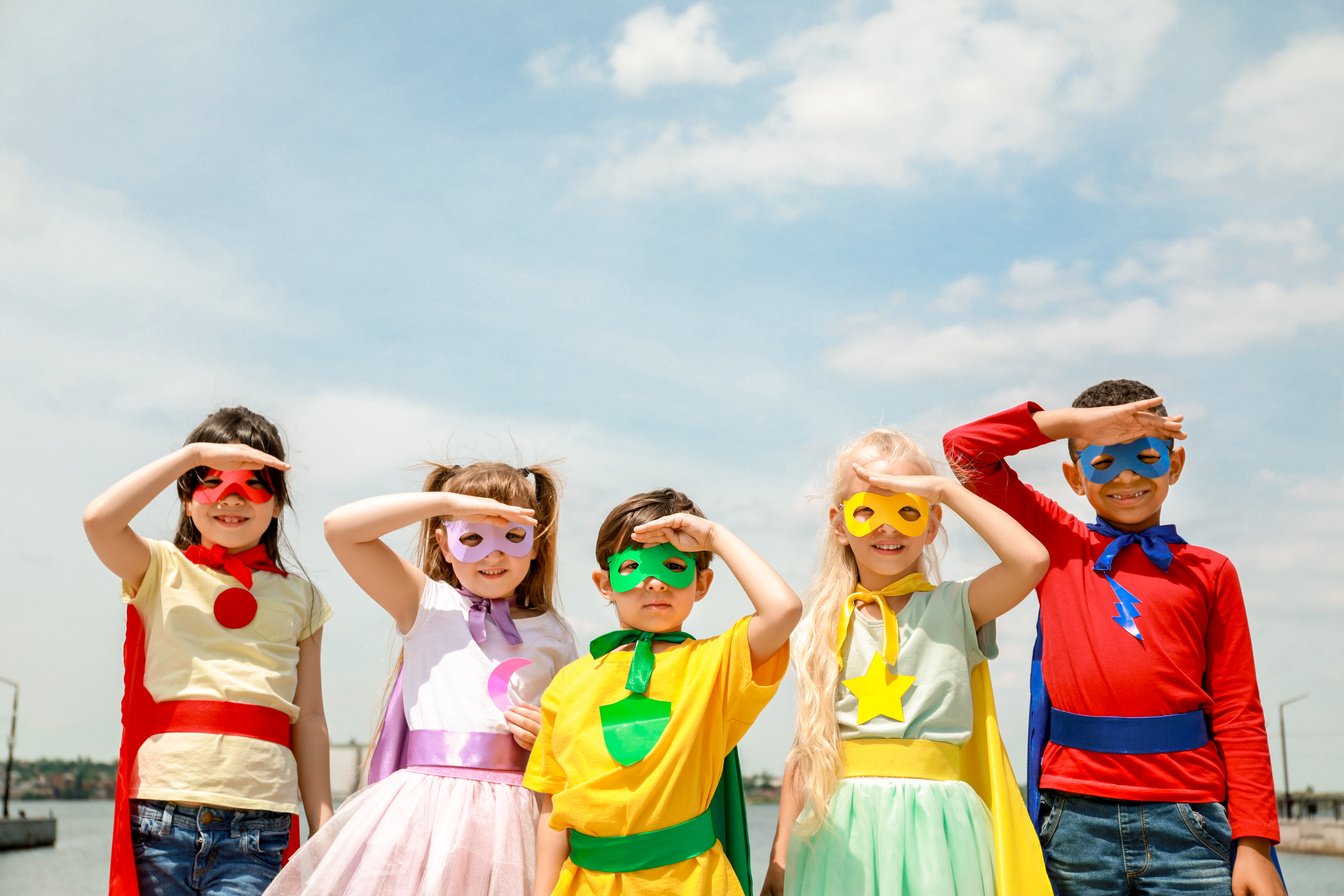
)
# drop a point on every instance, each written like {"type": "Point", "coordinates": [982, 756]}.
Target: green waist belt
{"type": "Point", "coordinates": [640, 852]}
{"type": "Point", "coordinates": [725, 821]}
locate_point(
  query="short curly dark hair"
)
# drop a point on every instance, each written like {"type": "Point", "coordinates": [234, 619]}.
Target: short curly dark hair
{"type": "Point", "coordinates": [1109, 393]}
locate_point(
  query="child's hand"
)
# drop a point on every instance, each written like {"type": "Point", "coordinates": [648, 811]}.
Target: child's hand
{"type": "Point", "coordinates": [487, 510]}
{"type": "Point", "coordinates": [773, 885]}
{"type": "Point", "coordinates": [686, 531]}
{"type": "Point", "coordinates": [1123, 423]}
{"type": "Point", "coordinates": [229, 456]}
{"type": "Point", "coordinates": [927, 486]}
{"type": "Point", "coordinates": [524, 721]}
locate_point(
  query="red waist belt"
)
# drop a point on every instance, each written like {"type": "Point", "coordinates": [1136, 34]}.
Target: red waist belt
{"type": "Point", "coordinates": [142, 718]}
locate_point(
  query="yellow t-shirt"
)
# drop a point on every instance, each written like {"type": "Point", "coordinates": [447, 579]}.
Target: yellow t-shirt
{"type": "Point", "coordinates": [190, 656]}
{"type": "Point", "coordinates": [715, 694]}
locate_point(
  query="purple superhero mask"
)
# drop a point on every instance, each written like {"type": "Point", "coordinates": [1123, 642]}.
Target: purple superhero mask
{"type": "Point", "coordinates": [1102, 463]}
{"type": "Point", "coordinates": [461, 533]}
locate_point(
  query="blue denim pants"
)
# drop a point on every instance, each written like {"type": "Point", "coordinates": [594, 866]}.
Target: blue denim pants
{"type": "Point", "coordinates": [182, 850]}
{"type": "Point", "coordinates": [1100, 847]}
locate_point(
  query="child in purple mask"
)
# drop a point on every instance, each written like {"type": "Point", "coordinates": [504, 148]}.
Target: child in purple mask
{"type": "Point", "coordinates": [445, 810]}
{"type": "Point", "coordinates": [1148, 764]}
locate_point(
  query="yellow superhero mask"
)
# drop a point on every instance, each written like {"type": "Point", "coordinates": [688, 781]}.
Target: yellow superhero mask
{"type": "Point", "coordinates": [865, 512]}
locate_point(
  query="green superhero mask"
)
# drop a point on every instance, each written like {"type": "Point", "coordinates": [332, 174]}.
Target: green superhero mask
{"type": "Point", "coordinates": [659, 561]}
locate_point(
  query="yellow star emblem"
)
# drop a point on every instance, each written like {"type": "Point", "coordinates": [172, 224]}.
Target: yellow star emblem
{"type": "Point", "coordinates": [879, 691]}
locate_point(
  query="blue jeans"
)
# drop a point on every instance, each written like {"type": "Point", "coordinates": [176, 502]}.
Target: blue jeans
{"type": "Point", "coordinates": [182, 850]}
{"type": "Point", "coordinates": [1100, 847]}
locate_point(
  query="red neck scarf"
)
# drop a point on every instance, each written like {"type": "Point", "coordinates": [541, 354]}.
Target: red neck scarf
{"type": "Point", "coordinates": [239, 565]}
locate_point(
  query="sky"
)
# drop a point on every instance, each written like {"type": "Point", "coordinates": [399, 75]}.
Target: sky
{"type": "Point", "coordinates": [698, 245]}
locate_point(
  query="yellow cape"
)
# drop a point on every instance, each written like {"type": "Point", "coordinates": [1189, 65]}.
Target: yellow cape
{"type": "Point", "coordinates": [1019, 868]}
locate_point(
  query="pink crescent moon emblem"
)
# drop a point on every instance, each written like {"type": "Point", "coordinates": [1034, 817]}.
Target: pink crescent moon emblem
{"type": "Point", "coordinates": [498, 684]}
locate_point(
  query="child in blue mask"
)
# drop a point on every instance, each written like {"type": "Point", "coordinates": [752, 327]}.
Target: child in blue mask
{"type": "Point", "coordinates": [1146, 716]}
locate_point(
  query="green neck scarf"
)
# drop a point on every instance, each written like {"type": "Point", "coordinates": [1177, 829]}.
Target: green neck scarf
{"type": "Point", "coordinates": [631, 727]}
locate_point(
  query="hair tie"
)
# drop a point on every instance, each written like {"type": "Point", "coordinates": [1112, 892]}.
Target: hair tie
{"type": "Point", "coordinates": [526, 471]}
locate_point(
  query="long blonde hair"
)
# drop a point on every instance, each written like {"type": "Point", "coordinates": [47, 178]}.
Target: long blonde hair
{"type": "Point", "coordinates": [815, 756]}
{"type": "Point", "coordinates": [508, 485]}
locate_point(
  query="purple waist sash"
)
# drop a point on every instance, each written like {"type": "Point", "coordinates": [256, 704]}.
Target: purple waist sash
{"type": "Point", "coordinates": [474, 749]}
{"type": "Point", "coordinates": [399, 747]}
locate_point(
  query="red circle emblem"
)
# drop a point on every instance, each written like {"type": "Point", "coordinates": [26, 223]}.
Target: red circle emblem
{"type": "Point", "coordinates": [235, 607]}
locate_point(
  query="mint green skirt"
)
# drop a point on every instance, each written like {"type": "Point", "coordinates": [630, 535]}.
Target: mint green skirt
{"type": "Point", "coordinates": [896, 837]}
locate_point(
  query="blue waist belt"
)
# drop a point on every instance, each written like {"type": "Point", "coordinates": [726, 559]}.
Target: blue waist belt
{"type": "Point", "coordinates": [1129, 734]}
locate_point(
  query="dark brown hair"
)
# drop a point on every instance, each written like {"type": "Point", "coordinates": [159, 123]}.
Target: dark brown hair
{"type": "Point", "coordinates": [614, 534]}
{"type": "Point", "coordinates": [245, 427]}
{"type": "Point", "coordinates": [1109, 393]}
{"type": "Point", "coordinates": [508, 485]}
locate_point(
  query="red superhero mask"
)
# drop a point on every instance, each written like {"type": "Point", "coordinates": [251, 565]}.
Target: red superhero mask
{"type": "Point", "coordinates": [233, 482]}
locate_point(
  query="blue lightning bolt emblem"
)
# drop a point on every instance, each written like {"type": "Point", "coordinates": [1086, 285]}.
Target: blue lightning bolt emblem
{"type": "Point", "coordinates": [1127, 606]}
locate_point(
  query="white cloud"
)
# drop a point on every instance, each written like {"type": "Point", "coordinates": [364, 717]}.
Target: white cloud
{"type": "Point", "coordinates": [921, 84]}
{"type": "Point", "coordinates": [1244, 284]}
{"type": "Point", "coordinates": [657, 48]}
{"type": "Point", "coordinates": [66, 246]}
{"type": "Point", "coordinates": [564, 66]}
{"type": "Point", "coordinates": [1281, 118]}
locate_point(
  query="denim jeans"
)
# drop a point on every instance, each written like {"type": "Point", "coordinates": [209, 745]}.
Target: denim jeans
{"type": "Point", "coordinates": [1100, 847]}
{"type": "Point", "coordinates": [182, 850]}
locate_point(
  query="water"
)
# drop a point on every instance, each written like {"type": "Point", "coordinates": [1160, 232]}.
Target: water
{"type": "Point", "coordinates": [77, 865]}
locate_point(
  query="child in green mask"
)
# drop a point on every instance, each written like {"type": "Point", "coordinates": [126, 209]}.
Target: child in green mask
{"type": "Point", "coordinates": [637, 796]}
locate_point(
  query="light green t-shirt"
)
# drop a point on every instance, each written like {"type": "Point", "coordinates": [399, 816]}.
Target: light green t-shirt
{"type": "Point", "coordinates": [939, 647]}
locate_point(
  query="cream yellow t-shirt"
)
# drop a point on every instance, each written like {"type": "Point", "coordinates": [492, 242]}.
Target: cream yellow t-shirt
{"type": "Point", "coordinates": [190, 656]}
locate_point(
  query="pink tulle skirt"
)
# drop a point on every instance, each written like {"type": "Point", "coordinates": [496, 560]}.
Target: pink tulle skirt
{"type": "Point", "coordinates": [413, 833]}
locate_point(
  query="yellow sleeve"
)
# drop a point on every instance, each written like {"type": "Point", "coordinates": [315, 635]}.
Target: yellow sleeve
{"type": "Point", "coordinates": [544, 774]}
{"type": "Point", "coordinates": [149, 585]}
{"type": "Point", "coordinates": [319, 612]}
{"type": "Point", "coordinates": [750, 687]}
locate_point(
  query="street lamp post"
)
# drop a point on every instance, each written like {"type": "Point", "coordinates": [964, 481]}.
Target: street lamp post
{"type": "Point", "coordinates": [1283, 742]}
{"type": "Point", "coordinates": [13, 724]}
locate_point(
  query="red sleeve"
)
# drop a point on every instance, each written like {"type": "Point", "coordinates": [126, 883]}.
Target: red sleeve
{"type": "Point", "coordinates": [1237, 718]}
{"type": "Point", "coordinates": [977, 453]}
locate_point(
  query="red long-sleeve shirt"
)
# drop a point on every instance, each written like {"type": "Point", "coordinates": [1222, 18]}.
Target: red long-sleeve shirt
{"type": "Point", "coordinates": [1195, 652]}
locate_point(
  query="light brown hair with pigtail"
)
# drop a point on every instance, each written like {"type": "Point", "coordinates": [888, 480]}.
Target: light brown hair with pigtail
{"type": "Point", "coordinates": [535, 487]}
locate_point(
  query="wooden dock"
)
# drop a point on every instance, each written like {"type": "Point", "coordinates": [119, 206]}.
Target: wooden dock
{"type": "Point", "coordinates": [26, 833]}
{"type": "Point", "coordinates": [1325, 837]}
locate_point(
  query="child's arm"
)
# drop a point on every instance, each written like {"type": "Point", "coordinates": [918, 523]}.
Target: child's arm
{"type": "Point", "coordinates": [552, 850]}
{"type": "Point", "coordinates": [790, 805]}
{"type": "Point", "coordinates": [355, 534]}
{"type": "Point", "coordinates": [1022, 559]}
{"type": "Point", "coordinates": [778, 608]}
{"type": "Point", "coordinates": [312, 745]}
{"type": "Point", "coordinates": [107, 519]}
{"type": "Point", "coordinates": [1109, 425]}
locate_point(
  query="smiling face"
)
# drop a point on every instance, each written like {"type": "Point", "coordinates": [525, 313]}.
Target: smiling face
{"type": "Point", "coordinates": [884, 554]}
{"type": "Point", "coordinates": [495, 575]}
{"type": "Point", "coordinates": [651, 604]}
{"type": "Point", "coordinates": [1129, 499]}
{"type": "Point", "coordinates": [224, 513]}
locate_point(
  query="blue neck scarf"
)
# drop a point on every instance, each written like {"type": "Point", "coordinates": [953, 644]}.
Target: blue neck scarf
{"type": "Point", "coordinates": [1155, 541]}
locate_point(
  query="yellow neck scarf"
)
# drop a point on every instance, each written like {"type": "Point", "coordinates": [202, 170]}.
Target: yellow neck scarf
{"type": "Point", "coordinates": [891, 638]}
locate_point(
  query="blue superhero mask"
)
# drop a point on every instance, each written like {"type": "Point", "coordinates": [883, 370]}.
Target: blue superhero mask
{"type": "Point", "coordinates": [1102, 463]}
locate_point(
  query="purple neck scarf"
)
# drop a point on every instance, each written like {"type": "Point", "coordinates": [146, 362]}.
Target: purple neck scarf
{"type": "Point", "coordinates": [497, 611]}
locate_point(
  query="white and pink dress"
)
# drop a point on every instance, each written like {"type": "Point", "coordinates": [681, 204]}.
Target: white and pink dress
{"type": "Point", "coordinates": [445, 810]}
